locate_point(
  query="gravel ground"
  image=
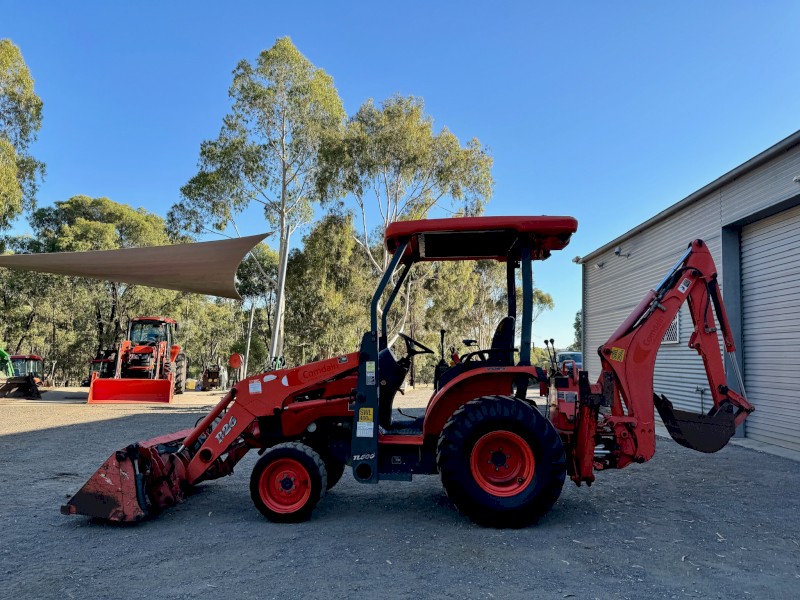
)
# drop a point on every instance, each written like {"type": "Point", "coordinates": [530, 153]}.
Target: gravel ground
{"type": "Point", "coordinates": [683, 525]}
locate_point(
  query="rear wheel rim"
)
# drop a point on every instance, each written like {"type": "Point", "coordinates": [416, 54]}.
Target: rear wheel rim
{"type": "Point", "coordinates": [285, 486]}
{"type": "Point", "coordinates": [502, 463]}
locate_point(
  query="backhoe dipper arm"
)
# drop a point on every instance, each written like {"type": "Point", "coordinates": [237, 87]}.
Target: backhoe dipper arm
{"type": "Point", "coordinates": [630, 355]}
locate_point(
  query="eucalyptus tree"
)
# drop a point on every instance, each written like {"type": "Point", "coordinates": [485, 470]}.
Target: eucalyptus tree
{"type": "Point", "coordinates": [20, 121]}
{"type": "Point", "coordinates": [392, 165]}
{"type": "Point", "coordinates": [389, 165]}
{"type": "Point", "coordinates": [82, 223]}
{"type": "Point", "coordinates": [266, 153]}
{"type": "Point", "coordinates": [329, 290]}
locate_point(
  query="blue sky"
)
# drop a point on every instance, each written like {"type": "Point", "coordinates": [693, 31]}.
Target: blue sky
{"type": "Point", "coordinates": [606, 111]}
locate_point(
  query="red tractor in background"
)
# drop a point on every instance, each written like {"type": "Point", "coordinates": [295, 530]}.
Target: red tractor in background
{"type": "Point", "coordinates": [101, 367]}
{"type": "Point", "coordinates": [149, 365]}
{"type": "Point", "coordinates": [502, 456]}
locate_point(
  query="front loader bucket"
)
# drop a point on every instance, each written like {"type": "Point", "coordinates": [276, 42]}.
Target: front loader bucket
{"type": "Point", "coordinates": [19, 387]}
{"type": "Point", "coordinates": [130, 390]}
{"type": "Point", "coordinates": [135, 482]}
{"type": "Point", "coordinates": [704, 433]}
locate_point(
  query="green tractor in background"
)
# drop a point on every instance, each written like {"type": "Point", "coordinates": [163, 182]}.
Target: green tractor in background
{"type": "Point", "coordinates": [20, 376]}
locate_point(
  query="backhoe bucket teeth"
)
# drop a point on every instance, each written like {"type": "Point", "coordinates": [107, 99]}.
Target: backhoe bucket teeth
{"type": "Point", "coordinates": [130, 390]}
{"type": "Point", "coordinates": [19, 387]}
{"type": "Point", "coordinates": [704, 433]}
{"type": "Point", "coordinates": [135, 482]}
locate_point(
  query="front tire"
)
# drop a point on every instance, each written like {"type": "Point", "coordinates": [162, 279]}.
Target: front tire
{"type": "Point", "coordinates": [287, 482]}
{"type": "Point", "coordinates": [180, 373]}
{"type": "Point", "coordinates": [502, 463]}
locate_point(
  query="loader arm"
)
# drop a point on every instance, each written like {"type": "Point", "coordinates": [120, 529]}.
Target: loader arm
{"type": "Point", "coordinates": [628, 362]}
{"type": "Point", "coordinates": [149, 476]}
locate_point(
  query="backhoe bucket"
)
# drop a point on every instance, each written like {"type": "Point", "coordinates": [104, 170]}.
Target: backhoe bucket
{"type": "Point", "coordinates": [19, 387]}
{"type": "Point", "coordinates": [131, 390]}
{"type": "Point", "coordinates": [135, 482]}
{"type": "Point", "coordinates": [704, 433]}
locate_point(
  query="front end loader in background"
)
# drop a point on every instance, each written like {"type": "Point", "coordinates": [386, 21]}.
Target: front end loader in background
{"type": "Point", "coordinates": [149, 367]}
{"type": "Point", "coordinates": [502, 455]}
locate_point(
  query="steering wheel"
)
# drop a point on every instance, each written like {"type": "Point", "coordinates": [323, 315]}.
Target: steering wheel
{"type": "Point", "coordinates": [413, 347]}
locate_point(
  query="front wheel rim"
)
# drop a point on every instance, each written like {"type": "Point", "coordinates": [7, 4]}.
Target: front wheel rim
{"type": "Point", "coordinates": [502, 463]}
{"type": "Point", "coordinates": [285, 486]}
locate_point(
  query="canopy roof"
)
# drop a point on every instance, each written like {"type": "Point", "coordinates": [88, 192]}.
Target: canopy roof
{"type": "Point", "coordinates": [479, 238]}
{"type": "Point", "coordinates": [202, 267]}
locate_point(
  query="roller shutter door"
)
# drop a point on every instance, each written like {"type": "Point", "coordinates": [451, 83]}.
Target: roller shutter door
{"type": "Point", "coordinates": [770, 254]}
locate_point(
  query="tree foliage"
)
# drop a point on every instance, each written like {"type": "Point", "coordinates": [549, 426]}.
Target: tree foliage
{"type": "Point", "coordinates": [266, 152]}
{"type": "Point", "coordinates": [20, 121]}
{"type": "Point", "coordinates": [394, 167]}
{"type": "Point", "coordinates": [577, 343]}
{"type": "Point", "coordinates": [68, 320]}
{"type": "Point", "coordinates": [285, 145]}
{"type": "Point", "coordinates": [82, 223]}
{"type": "Point", "coordinates": [329, 289]}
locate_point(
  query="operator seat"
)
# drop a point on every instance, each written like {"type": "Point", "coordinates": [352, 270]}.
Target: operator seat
{"type": "Point", "coordinates": [501, 354]}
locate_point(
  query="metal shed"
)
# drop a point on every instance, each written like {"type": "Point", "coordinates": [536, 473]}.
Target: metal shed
{"type": "Point", "coordinates": [750, 219]}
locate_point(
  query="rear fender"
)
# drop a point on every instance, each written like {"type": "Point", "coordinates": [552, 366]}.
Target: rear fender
{"type": "Point", "coordinates": [486, 381]}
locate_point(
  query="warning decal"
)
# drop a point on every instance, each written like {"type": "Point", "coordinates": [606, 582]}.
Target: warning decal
{"type": "Point", "coordinates": [365, 415]}
{"type": "Point", "coordinates": [684, 285]}
{"type": "Point", "coordinates": [617, 354]}
{"type": "Point", "coordinates": [370, 372]}
{"type": "Point", "coordinates": [364, 429]}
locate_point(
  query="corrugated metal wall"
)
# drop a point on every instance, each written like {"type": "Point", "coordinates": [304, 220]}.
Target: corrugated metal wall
{"type": "Point", "coordinates": [770, 251]}
{"type": "Point", "coordinates": [613, 291]}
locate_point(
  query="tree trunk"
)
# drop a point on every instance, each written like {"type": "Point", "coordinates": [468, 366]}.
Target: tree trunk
{"type": "Point", "coordinates": [116, 313]}
{"type": "Point", "coordinates": [26, 329]}
{"type": "Point", "coordinates": [276, 345]}
{"type": "Point", "coordinates": [100, 329]}
{"type": "Point", "coordinates": [249, 335]}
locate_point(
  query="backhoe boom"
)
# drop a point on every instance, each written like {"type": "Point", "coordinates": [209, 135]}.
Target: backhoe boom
{"type": "Point", "coordinates": [629, 357]}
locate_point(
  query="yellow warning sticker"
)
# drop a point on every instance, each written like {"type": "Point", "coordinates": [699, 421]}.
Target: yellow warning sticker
{"type": "Point", "coordinates": [617, 354]}
{"type": "Point", "coordinates": [365, 415]}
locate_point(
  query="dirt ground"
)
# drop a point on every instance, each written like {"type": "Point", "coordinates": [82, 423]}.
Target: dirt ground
{"type": "Point", "coordinates": [684, 525]}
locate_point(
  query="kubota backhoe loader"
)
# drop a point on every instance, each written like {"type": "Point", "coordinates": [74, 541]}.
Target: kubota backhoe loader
{"type": "Point", "coordinates": [149, 366]}
{"type": "Point", "coordinates": [501, 460]}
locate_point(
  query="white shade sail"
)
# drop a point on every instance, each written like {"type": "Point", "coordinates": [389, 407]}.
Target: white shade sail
{"type": "Point", "coordinates": [202, 267]}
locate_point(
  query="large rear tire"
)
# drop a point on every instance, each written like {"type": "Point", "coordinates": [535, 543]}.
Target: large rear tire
{"type": "Point", "coordinates": [287, 482]}
{"type": "Point", "coordinates": [502, 463]}
{"type": "Point", "coordinates": [180, 373]}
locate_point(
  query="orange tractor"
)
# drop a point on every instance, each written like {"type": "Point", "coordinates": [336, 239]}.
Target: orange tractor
{"type": "Point", "coordinates": [501, 452]}
{"type": "Point", "coordinates": [149, 366]}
